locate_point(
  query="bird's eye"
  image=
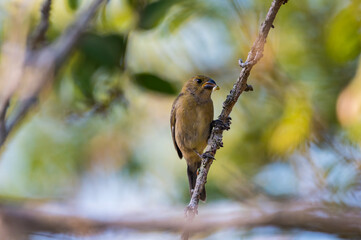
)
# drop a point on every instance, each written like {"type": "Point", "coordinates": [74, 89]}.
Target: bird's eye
{"type": "Point", "coordinates": [198, 80]}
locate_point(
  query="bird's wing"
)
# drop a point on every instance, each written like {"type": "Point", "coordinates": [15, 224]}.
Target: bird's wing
{"type": "Point", "coordinates": [211, 111]}
{"type": "Point", "coordinates": [173, 120]}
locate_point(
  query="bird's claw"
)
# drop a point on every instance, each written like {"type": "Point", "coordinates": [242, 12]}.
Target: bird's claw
{"type": "Point", "coordinates": [228, 120]}
{"type": "Point", "coordinates": [222, 125]}
{"type": "Point", "coordinates": [207, 155]}
{"type": "Point", "coordinates": [219, 143]}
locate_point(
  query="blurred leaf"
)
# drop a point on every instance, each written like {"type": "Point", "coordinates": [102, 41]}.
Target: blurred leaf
{"type": "Point", "coordinates": [82, 72]}
{"type": "Point", "coordinates": [97, 52]}
{"type": "Point", "coordinates": [294, 127]}
{"type": "Point", "coordinates": [137, 4]}
{"type": "Point", "coordinates": [103, 50]}
{"type": "Point", "coordinates": [133, 3]}
{"type": "Point", "coordinates": [153, 13]}
{"type": "Point", "coordinates": [106, 87]}
{"type": "Point", "coordinates": [154, 83]}
{"type": "Point", "coordinates": [134, 165]}
{"type": "Point", "coordinates": [179, 18]}
{"type": "Point", "coordinates": [344, 39]}
{"type": "Point", "coordinates": [73, 4]}
{"type": "Point", "coordinates": [116, 17]}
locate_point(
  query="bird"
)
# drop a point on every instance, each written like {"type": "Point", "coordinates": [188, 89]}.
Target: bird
{"type": "Point", "coordinates": [191, 124]}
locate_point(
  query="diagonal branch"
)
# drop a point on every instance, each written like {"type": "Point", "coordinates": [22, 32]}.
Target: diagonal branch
{"type": "Point", "coordinates": [215, 140]}
{"type": "Point", "coordinates": [63, 46]}
{"type": "Point", "coordinates": [40, 65]}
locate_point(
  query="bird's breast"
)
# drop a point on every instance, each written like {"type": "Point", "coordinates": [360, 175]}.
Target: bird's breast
{"type": "Point", "coordinates": [193, 125]}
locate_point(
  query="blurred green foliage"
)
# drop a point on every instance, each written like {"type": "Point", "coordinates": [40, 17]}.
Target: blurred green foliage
{"type": "Point", "coordinates": [97, 52]}
{"type": "Point", "coordinates": [154, 83]}
{"type": "Point", "coordinates": [103, 50]}
{"type": "Point", "coordinates": [343, 35]}
{"type": "Point", "coordinates": [113, 97]}
{"type": "Point", "coordinates": [73, 4]}
{"type": "Point", "coordinates": [153, 13]}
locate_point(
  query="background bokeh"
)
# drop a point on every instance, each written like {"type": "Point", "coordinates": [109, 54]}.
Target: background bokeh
{"type": "Point", "coordinates": [99, 140]}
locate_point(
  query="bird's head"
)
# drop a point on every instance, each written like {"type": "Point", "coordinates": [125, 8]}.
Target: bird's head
{"type": "Point", "coordinates": [201, 86]}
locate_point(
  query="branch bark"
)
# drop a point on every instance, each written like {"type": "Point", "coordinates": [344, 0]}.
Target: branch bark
{"type": "Point", "coordinates": [215, 140]}
{"type": "Point", "coordinates": [333, 219]}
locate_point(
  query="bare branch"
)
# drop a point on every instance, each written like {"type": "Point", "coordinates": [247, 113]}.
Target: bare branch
{"type": "Point", "coordinates": [215, 140]}
{"type": "Point", "coordinates": [340, 220]}
{"type": "Point", "coordinates": [19, 113]}
{"type": "Point", "coordinates": [67, 41]}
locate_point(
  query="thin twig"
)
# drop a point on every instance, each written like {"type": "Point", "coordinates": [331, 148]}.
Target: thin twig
{"type": "Point", "coordinates": [215, 140]}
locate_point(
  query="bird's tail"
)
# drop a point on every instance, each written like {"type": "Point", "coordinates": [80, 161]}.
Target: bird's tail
{"type": "Point", "coordinates": [192, 178]}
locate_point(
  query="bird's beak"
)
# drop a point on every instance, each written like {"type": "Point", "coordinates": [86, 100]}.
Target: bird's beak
{"type": "Point", "coordinates": [211, 85]}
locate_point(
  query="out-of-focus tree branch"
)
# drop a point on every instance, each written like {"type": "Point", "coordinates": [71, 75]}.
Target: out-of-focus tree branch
{"type": "Point", "coordinates": [340, 220]}
{"type": "Point", "coordinates": [38, 36]}
{"type": "Point", "coordinates": [2, 122]}
{"type": "Point", "coordinates": [63, 46]}
{"type": "Point", "coordinates": [215, 140]}
{"type": "Point", "coordinates": [40, 65]}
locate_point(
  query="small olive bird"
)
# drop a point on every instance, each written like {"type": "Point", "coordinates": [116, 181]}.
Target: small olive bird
{"type": "Point", "coordinates": [190, 120]}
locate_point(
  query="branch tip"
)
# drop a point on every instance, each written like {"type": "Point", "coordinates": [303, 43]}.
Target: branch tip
{"type": "Point", "coordinates": [243, 64]}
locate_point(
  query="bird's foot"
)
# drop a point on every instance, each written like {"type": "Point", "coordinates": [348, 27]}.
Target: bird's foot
{"type": "Point", "coordinates": [222, 125]}
{"type": "Point", "coordinates": [207, 155]}
{"type": "Point", "coordinates": [248, 88]}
